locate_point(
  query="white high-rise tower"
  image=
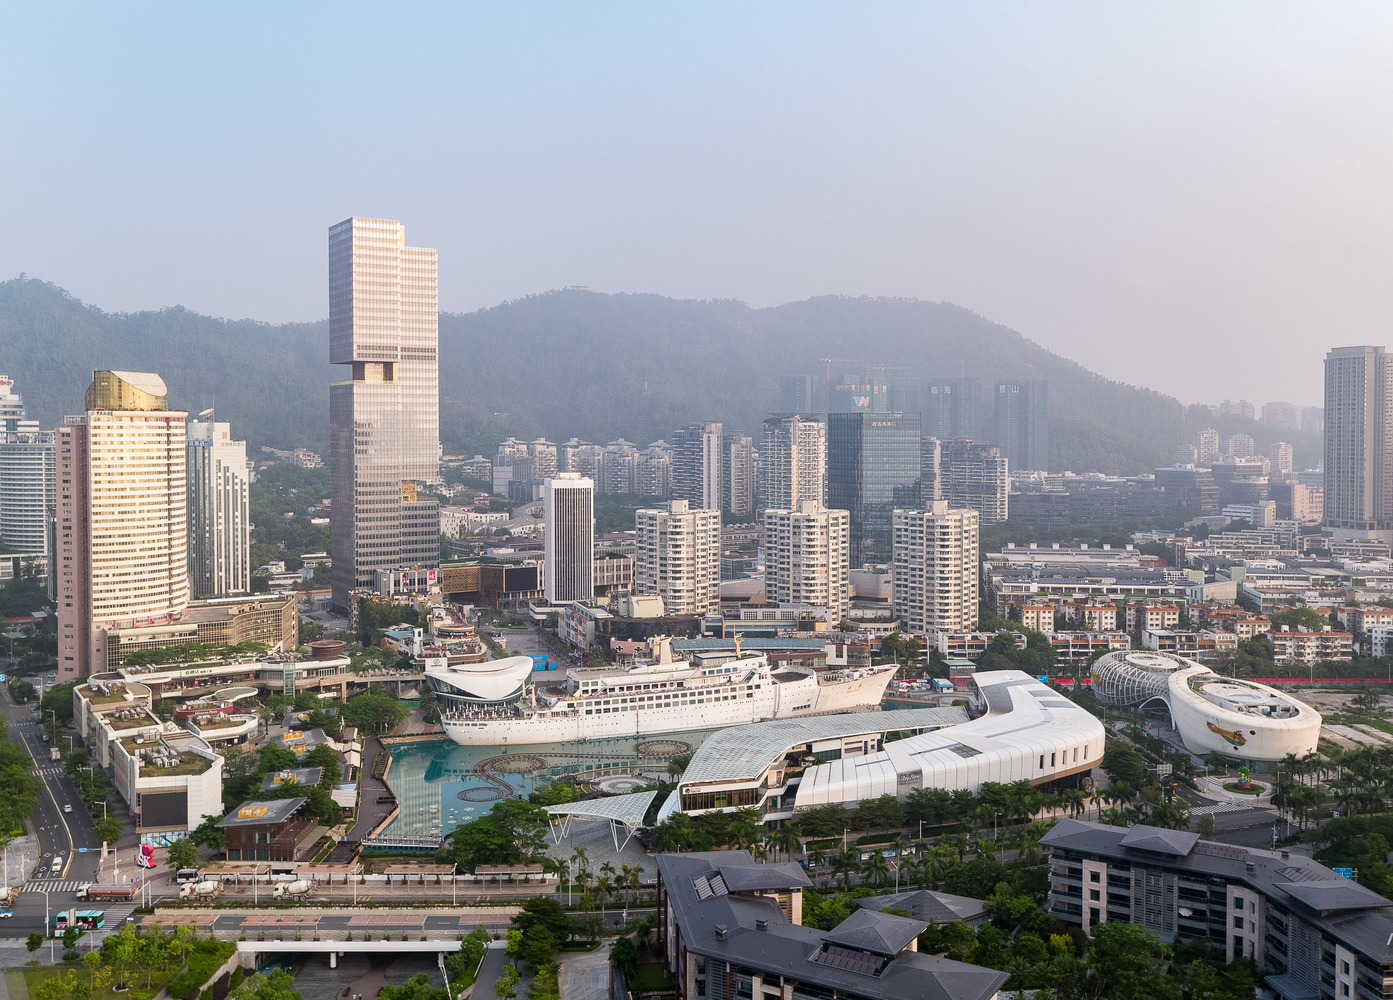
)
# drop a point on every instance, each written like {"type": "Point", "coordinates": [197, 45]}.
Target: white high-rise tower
{"type": "Point", "coordinates": [1359, 443]}
{"type": "Point", "coordinates": [219, 512]}
{"type": "Point", "coordinates": [568, 505]}
{"type": "Point", "coordinates": [384, 423]}
{"type": "Point", "coordinates": [934, 573]}
{"type": "Point", "coordinates": [807, 557]}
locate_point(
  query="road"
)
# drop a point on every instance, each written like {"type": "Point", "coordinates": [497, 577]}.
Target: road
{"type": "Point", "coordinates": [60, 834]}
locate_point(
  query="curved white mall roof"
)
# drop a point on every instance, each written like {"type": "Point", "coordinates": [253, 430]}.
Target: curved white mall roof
{"type": "Point", "coordinates": [1210, 712]}
{"type": "Point", "coordinates": [492, 680]}
{"type": "Point", "coordinates": [1029, 732]}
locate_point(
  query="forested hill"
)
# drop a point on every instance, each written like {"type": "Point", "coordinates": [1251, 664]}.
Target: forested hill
{"type": "Point", "coordinates": [572, 363]}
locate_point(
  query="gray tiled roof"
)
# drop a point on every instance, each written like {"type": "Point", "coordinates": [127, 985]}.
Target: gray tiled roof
{"type": "Point", "coordinates": [1160, 840]}
{"type": "Point", "coordinates": [881, 933]}
{"type": "Point", "coordinates": [925, 904]}
{"type": "Point", "coordinates": [746, 877]}
{"type": "Point", "coordinates": [1338, 893]}
{"type": "Point", "coordinates": [276, 811]}
{"type": "Point", "coordinates": [302, 776]}
{"type": "Point", "coordinates": [786, 949]}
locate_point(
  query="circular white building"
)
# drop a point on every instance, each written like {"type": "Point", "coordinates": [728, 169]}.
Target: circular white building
{"type": "Point", "coordinates": [1212, 713]}
{"type": "Point", "coordinates": [479, 685]}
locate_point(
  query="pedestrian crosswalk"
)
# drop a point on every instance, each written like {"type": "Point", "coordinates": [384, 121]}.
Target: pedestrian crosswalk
{"type": "Point", "coordinates": [54, 885]}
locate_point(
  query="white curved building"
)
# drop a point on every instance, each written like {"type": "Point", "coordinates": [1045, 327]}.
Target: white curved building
{"type": "Point", "coordinates": [480, 685]}
{"type": "Point", "coordinates": [1211, 713]}
{"type": "Point", "coordinates": [1028, 732]}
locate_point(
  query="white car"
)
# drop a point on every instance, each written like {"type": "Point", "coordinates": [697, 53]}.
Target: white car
{"type": "Point", "coordinates": [67, 808]}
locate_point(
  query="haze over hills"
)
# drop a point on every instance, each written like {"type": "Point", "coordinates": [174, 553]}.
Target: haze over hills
{"type": "Point", "coordinates": [573, 363]}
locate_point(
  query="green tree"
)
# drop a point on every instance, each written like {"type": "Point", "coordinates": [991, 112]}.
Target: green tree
{"type": "Point", "coordinates": [1131, 962]}
{"type": "Point", "coordinates": [543, 912]}
{"type": "Point", "coordinates": [107, 829]}
{"type": "Point", "coordinates": [374, 712]}
{"type": "Point", "coordinates": [208, 834]}
{"type": "Point", "coordinates": [539, 948]}
{"type": "Point", "coordinates": [624, 954]}
{"type": "Point", "coordinates": [183, 853]}
{"type": "Point", "coordinates": [34, 942]}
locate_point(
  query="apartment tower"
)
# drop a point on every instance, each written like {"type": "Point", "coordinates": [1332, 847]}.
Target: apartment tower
{"type": "Point", "coordinates": [807, 557]}
{"type": "Point", "coordinates": [934, 574]}
{"type": "Point", "coordinates": [678, 557]}
{"type": "Point", "coordinates": [1359, 443]}
{"type": "Point", "coordinates": [976, 477]}
{"type": "Point", "coordinates": [792, 461]}
{"type": "Point", "coordinates": [696, 466]}
{"type": "Point", "coordinates": [219, 511]}
{"type": "Point", "coordinates": [568, 506]}
{"type": "Point", "coordinates": [741, 472]}
{"type": "Point", "coordinates": [27, 481]}
{"type": "Point", "coordinates": [121, 533]}
{"type": "Point", "coordinates": [384, 423]}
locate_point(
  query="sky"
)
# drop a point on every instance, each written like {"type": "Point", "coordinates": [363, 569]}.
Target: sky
{"type": "Point", "coordinates": [1190, 196]}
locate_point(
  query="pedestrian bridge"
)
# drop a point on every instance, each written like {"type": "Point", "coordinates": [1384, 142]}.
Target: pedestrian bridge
{"type": "Point", "coordinates": [248, 951]}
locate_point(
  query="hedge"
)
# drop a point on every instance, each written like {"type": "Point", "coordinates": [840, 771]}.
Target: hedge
{"type": "Point", "coordinates": [204, 960]}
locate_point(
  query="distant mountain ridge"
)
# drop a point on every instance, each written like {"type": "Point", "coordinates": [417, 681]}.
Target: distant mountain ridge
{"type": "Point", "coordinates": [572, 363]}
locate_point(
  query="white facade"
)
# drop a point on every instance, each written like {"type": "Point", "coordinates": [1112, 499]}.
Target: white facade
{"type": "Point", "coordinates": [935, 569]}
{"type": "Point", "coordinates": [27, 487]}
{"type": "Point", "coordinates": [568, 510]}
{"type": "Point", "coordinates": [677, 556]}
{"type": "Point", "coordinates": [384, 422]}
{"type": "Point", "coordinates": [807, 557]}
{"type": "Point", "coordinates": [1211, 713]}
{"type": "Point", "coordinates": [219, 511]}
{"type": "Point", "coordinates": [1027, 733]}
{"type": "Point", "coordinates": [793, 462]}
{"type": "Point", "coordinates": [697, 466]}
{"type": "Point", "coordinates": [122, 532]}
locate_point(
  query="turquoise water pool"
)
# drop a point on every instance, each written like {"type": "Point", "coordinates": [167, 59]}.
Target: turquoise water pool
{"type": "Point", "coordinates": [438, 784]}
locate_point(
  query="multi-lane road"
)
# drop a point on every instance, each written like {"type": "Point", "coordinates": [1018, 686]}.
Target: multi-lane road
{"type": "Point", "coordinates": [60, 834]}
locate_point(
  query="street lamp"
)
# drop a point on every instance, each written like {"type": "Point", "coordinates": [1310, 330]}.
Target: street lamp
{"type": "Point", "coordinates": [47, 931]}
{"type": "Point", "coordinates": [996, 837]}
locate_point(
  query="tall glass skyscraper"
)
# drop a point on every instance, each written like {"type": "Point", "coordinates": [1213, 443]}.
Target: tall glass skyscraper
{"type": "Point", "coordinates": [1359, 443]}
{"type": "Point", "coordinates": [872, 468]}
{"type": "Point", "coordinates": [384, 423]}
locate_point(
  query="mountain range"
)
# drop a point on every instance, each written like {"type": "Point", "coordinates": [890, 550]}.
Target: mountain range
{"type": "Point", "coordinates": [574, 363]}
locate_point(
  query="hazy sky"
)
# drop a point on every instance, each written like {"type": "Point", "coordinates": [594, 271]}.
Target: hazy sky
{"type": "Point", "coordinates": [1196, 197]}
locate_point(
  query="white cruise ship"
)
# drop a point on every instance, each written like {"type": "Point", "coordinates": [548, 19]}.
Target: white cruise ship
{"type": "Point", "coordinates": [494, 703]}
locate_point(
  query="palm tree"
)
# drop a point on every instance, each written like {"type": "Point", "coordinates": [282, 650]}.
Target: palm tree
{"type": "Point", "coordinates": [787, 840]}
{"type": "Point", "coordinates": [875, 869]}
{"type": "Point", "coordinates": [846, 863]}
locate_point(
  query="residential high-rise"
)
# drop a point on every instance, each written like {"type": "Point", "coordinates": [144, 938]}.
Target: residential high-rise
{"type": "Point", "coordinates": [930, 470]}
{"type": "Point", "coordinates": [1282, 458]}
{"type": "Point", "coordinates": [26, 476]}
{"type": "Point", "coordinates": [792, 461]}
{"type": "Point", "coordinates": [1207, 444]}
{"type": "Point", "coordinates": [934, 573]}
{"type": "Point", "coordinates": [121, 534]}
{"type": "Point", "coordinates": [696, 466]}
{"type": "Point", "coordinates": [741, 471]}
{"type": "Point", "coordinates": [1022, 424]}
{"type": "Point", "coordinates": [1313, 419]}
{"type": "Point", "coordinates": [798, 394]}
{"type": "Point", "coordinates": [872, 468]}
{"type": "Point", "coordinates": [384, 424]}
{"type": "Point", "coordinates": [953, 408]}
{"type": "Point", "coordinates": [976, 477]}
{"type": "Point", "coordinates": [219, 511]}
{"type": "Point", "coordinates": [653, 471]}
{"type": "Point", "coordinates": [807, 557]}
{"type": "Point", "coordinates": [677, 555]}
{"type": "Point", "coordinates": [1280, 414]}
{"type": "Point", "coordinates": [1359, 443]}
{"type": "Point", "coordinates": [568, 506]}
{"type": "Point", "coordinates": [1241, 446]}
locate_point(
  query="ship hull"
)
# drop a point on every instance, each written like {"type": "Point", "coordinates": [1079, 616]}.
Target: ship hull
{"type": "Point", "coordinates": [778, 701]}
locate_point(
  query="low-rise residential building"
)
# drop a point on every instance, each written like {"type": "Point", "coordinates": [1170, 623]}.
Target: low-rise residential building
{"type": "Point", "coordinates": [1145, 616]}
{"type": "Point", "coordinates": [971, 645]}
{"type": "Point", "coordinates": [1197, 644]}
{"type": "Point", "coordinates": [1038, 616]}
{"type": "Point", "coordinates": [1077, 647]}
{"type": "Point", "coordinates": [1325, 937]}
{"type": "Point", "coordinates": [1363, 617]}
{"type": "Point", "coordinates": [1306, 646]}
{"type": "Point", "coordinates": [1101, 616]}
{"type": "Point", "coordinates": [730, 928]}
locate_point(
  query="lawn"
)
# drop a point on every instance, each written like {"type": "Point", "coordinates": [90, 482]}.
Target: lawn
{"type": "Point", "coordinates": [652, 978]}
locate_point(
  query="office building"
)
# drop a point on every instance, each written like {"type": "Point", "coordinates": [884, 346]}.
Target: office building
{"type": "Point", "coordinates": [568, 509]}
{"type": "Point", "coordinates": [1190, 488]}
{"type": "Point", "coordinates": [219, 512]}
{"type": "Point", "coordinates": [1321, 935]}
{"type": "Point", "coordinates": [953, 408]}
{"type": "Point", "coordinates": [792, 461]}
{"type": "Point", "coordinates": [121, 532]}
{"type": "Point", "coordinates": [852, 394]}
{"type": "Point", "coordinates": [1022, 423]}
{"type": "Point", "coordinates": [1359, 443]}
{"type": "Point", "coordinates": [934, 573]}
{"type": "Point", "coordinates": [677, 556]}
{"type": "Point", "coordinates": [730, 928]}
{"type": "Point", "coordinates": [27, 488]}
{"type": "Point", "coordinates": [696, 466]}
{"type": "Point", "coordinates": [807, 557]}
{"type": "Point", "coordinates": [976, 477]}
{"type": "Point", "coordinates": [872, 468]}
{"type": "Point", "coordinates": [798, 394]}
{"type": "Point", "coordinates": [741, 473]}
{"type": "Point", "coordinates": [384, 423]}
